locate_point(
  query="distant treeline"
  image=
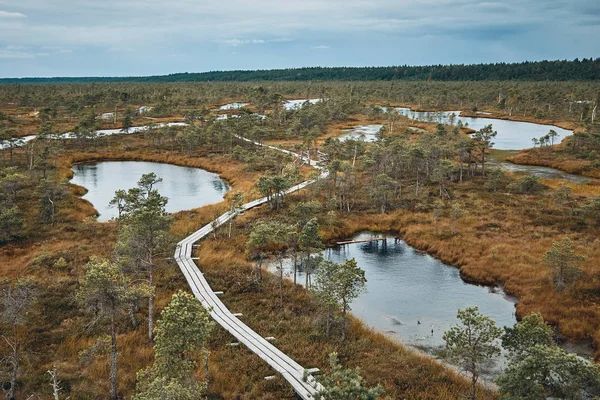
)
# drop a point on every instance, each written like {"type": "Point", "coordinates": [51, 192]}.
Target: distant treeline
{"type": "Point", "coordinates": [576, 70]}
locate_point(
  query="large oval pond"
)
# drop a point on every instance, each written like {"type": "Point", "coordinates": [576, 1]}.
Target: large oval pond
{"type": "Point", "coordinates": [186, 188]}
{"type": "Point", "coordinates": [512, 135]}
{"type": "Point", "coordinates": [412, 295]}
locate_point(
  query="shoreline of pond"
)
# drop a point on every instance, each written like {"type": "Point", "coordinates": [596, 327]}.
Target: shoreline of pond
{"type": "Point", "coordinates": [582, 348]}
{"type": "Point", "coordinates": [499, 157]}
{"type": "Point", "coordinates": [489, 113]}
{"type": "Point", "coordinates": [182, 186]}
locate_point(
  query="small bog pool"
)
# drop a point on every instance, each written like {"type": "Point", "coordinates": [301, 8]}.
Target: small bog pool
{"type": "Point", "coordinates": [185, 187]}
{"type": "Point", "coordinates": [410, 294]}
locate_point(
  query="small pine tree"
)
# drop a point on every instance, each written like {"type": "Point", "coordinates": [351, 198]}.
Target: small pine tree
{"type": "Point", "coordinates": [473, 343]}
{"type": "Point", "coordinates": [563, 262]}
{"type": "Point", "coordinates": [181, 334]}
{"type": "Point", "coordinates": [105, 292]}
{"type": "Point", "coordinates": [310, 242]}
{"type": "Point", "coordinates": [456, 213]}
{"type": "Point", "coordinates": [529, 332]}
{"type": "Point", "coordinates": [344, 384]}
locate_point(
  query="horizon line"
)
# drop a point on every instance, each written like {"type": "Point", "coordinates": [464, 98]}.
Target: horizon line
{"type": "Point", "coordinates": [591, 59]}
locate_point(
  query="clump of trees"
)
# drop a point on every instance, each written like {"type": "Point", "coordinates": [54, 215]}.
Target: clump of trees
{"type": "Point", "coordinates": [50, 195]}
{"type": "Point", "coordinates": [276, 239]}
{"type": "Point", "coordinates": [497, 180]}
{"type": "Point", "coordinates": [538, 369]}
{"type": "Point", "coordinates": [180, 339]}
{"type": "Point", "coordinates": [584, 144]}
{"type": "Point", "coordinates": [273, 239]}
{"type": "Point", "coordinates": [546, 140]}
{"type": "Point", "coordinates": [273, 187]}
{"type": "Point", "coordinates": [106, 293]}
{"type": "Point", "coordinates": [528, 184]}
{"type": "Point", "coordinates": [336, 286]}
{"type": "Point", "coordinates": [110, 290]}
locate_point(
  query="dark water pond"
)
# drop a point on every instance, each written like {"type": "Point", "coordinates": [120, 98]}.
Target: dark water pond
{"type": "Point", "coordinates": [186, 188]}
{"type": "Point", "coordinates": [412, 295]}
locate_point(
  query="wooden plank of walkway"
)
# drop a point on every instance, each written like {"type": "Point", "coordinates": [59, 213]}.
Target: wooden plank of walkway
{"type": "Point", "coordinates": [303, 384]}
{"type": "Point", "coordinates": [360, 241]}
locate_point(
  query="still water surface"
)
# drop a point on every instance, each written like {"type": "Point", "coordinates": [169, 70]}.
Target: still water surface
{"type": "Point", "coordinates": [412, 295]}
{"type": "Point", "coordinates": [295, 104]}
{"type": "Point", "coordinates": [512, 135]}
{"type": "Point", "coordinates": [186, 188]}
{"type": "Point", "coordinates": [233, 106]}
{"type": "Point", "coordinates": [99, 133]}
{"type": "Point", "coordinates": [368, 133]}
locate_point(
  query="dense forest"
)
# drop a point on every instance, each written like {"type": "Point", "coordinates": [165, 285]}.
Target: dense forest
{"type": "Point", "coordinates": [560, 70]}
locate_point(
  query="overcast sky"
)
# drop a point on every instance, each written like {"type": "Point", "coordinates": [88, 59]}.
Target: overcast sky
{"type": "Point", "coordinates": [148, 37]}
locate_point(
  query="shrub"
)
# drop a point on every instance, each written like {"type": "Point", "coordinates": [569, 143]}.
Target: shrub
{"type": "Point", "coordinates": [529, 184]}
{"type": "Point", "coordinates": [497, 180]}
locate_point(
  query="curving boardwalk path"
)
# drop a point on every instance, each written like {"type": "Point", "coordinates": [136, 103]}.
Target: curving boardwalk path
{"type": "Point", "coordinates": [293, 372]}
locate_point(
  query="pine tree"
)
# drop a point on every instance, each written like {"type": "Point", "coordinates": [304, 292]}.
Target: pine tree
{"type": "Point", "coordinates": [345, 384]}
{"type": "Point", "coordinates": [181, 335]}
{"type": "Point", "coordinates": [473, 343]}
{"type": "Point", "coordinates": [106, 293]}
{"type": "Point", "coordinates": [563, 262]}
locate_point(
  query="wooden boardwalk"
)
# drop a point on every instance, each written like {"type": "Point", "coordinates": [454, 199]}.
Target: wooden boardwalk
{"type": "Point", "coordinates": [360, 241]}
{"type": "Point", "coordinates": [303, 383]}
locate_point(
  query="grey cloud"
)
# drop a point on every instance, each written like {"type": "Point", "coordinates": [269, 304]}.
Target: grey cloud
{"type": "Point", "coordinates": [240, 22]}
{"type": "Point", "coordinates": [8, 14]}
{"type": "Point", "coordinates": [260, 29]}
{"type": "Point", "coordinates": [240, 42]}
